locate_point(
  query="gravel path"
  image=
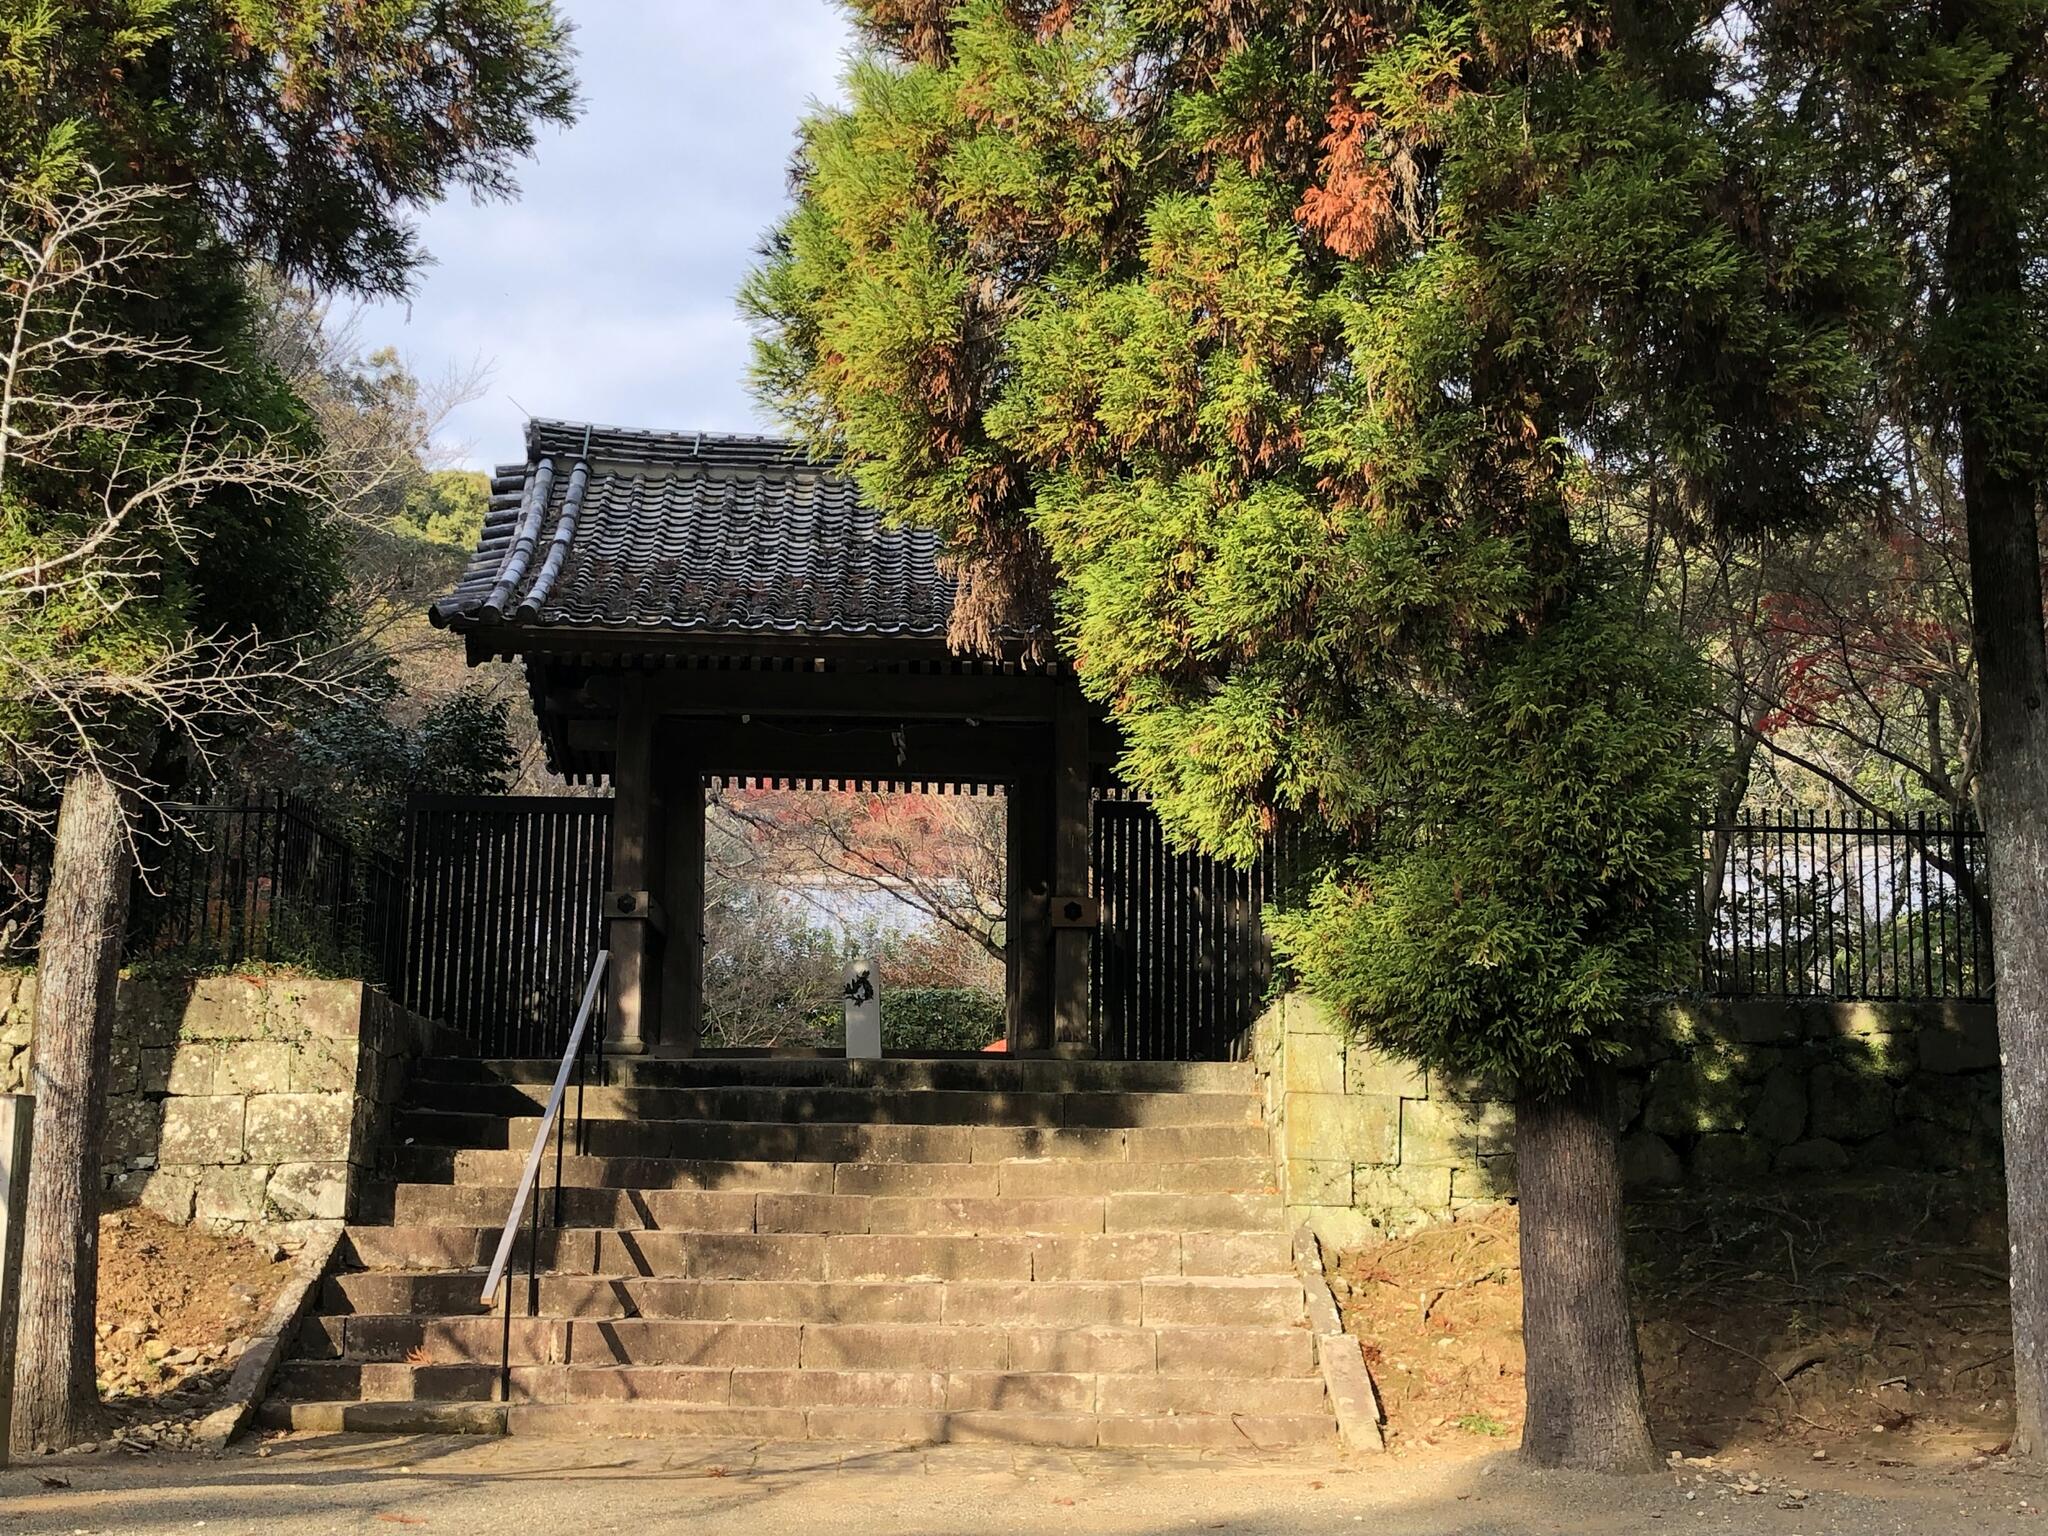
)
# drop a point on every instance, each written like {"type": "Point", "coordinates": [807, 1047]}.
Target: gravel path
{"type": "Point", "coordinates": [311, 1486]}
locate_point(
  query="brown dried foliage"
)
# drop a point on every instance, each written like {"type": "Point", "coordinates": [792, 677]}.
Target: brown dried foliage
{"type": "Point", "coordinates": [1351, 210]}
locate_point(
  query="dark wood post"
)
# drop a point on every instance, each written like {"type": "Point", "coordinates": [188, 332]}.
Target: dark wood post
{"type": "Point", "coordinates": [1027, 973]}
{"type": "Point", "coordinates": [633, 916]}
{"type": "Point", "coordinates": [682, 964]}
{"type": "Point", "coordinates": [1072, 906]}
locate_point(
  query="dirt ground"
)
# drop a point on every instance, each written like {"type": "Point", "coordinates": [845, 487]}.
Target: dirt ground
{"type": "Point", "coordinates": [176, 1308]}
{"type": "Point", "coordinates": [311, 1486]}
{"type": "Point", "coordinates": [1864, 1323]}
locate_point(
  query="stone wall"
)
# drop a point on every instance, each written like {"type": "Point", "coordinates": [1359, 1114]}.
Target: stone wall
{"type": "Point", "coordinates": [1718, 1094]}
{"type": "Point", "coordinates": [240, 1100]}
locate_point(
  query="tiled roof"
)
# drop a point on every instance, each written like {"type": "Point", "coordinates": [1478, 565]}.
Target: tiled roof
{"type": "Point", "coordinates": [689, 533]}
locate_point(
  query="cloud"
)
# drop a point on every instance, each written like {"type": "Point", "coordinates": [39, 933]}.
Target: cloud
{"type": "Point", "coordinates": [606, 293]}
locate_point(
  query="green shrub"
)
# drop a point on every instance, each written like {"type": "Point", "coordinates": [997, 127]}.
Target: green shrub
{"type": "Point", "coordinates": [940, 1018]}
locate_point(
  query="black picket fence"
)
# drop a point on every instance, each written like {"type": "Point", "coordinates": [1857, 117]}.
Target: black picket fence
{"type": "Point", "coordinates": [1845, 905]}
{"type": "Point", "coordinates": [1179, 963]}
{"type": "Point", "coordinates": [507, 902]}
{"type": "Point", "coordinates": [262, 879]}
{"type": "Point", "coordinates": [489, 917]}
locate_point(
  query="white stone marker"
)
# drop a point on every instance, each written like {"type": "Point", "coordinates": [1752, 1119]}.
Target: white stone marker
{"type": "Point", "coordinates": [861, 996]}
{"type": "Point", "coordinates": [17, 1116]}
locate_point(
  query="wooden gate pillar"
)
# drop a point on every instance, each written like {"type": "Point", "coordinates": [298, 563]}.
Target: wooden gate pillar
{"type": "Point", "coordinates": [633, 917]}
{"type": "Point", "coordinates": [682, 964]}
{"type": "Point", "coordinates": [1072, 907]}
{"type": "Point", "coordinates": [1026, 941]}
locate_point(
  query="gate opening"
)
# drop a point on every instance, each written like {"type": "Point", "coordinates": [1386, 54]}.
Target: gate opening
{"type": "Point", "coordinates": [803, 877]}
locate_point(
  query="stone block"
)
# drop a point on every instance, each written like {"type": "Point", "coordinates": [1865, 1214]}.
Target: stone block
{"type": "Point", "coordinates": [1962, 1042]}
{"type": "Point", "coordinates": [1370, 1071]}
{"type": "Point", "coordinates": [1778, 1113]}
{"type": "Point", "coordinates": [133, 1128]}
{"type": "Point", "coordinates": [1313, 1063]}
{"type": "Point", "coordinates": [124, 1066]}
{"type": "Point", "coordinates": [1305, 1182]}
{"type": "Point", "coordinates": [1340, 1228]}
{"type": "Point", "coordinates": [1849, 1020]}
{"type": "Point", "coordinates": [147, 1009]}
{"type": "Point", "coordinates": [192, 1068]}
{"type": "Point", "coordinates": [170, 1196]}
{"type": "Point", "coordinates": [328, 1064]}
{"type": "Point", "coordinates": [331, 1008]}
{"type": "Point", "coordinates": [307, 1192]}
{"type": "Point", "coordinates": [253, 1066]}
{"type": "Point", "coordinates": [1954, 1103]}
{"type": "Point", "coordinates": [153, 1073]}
{"type": "Point", "coordinates": [1848, 1105]}
{"type": "Point", "coordinates": [1303, 1015]}
{"type": "Point", "coordinates": [1470, 1088]}
{"type": "Point", "coordinates": [1682, 1025]}
{"type": "Point", "coordinates": [1724, 1158]}
{"type": "Point", "coordinates": [1647, 1162]}
{"type": "Point", "coordinates": [1342, 1128]}
{"type": "Point", "coordinates": [224, 1008]}
{"type": "Point", "coordinates": [1700, 1092]}
{"type": "Point", "coordinates": [1492, 1179]}
{"type": "Point", "coordinates": [203, 1129]}
{"type": "Point", "coordinates": [1761, 1022]}
{"type": "Point", "coordinates": [1397, 1196]}
{"type": "Point", "coordinates": [1441, 1133]}
{"type": "Point", "coordinates": [1817, 1156]}
{"type": "Point", "coordinates": [17, 1026]}
{"type": "Point", "coordinates": [230, 1194]}
{"type": "Point", "coordinates": [300, 1127]}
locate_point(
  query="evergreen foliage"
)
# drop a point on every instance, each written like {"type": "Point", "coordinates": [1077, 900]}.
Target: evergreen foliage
{"type": "Point", "coordinates": [1285, 339]}
{"type": "Point", "coordinates": [363, 761]}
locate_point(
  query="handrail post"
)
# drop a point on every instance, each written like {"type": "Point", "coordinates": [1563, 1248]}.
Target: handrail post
{"type": "Point", "coordinates": [505, 1340]}
{"type": "Point", "coordinates": [524, 1195]}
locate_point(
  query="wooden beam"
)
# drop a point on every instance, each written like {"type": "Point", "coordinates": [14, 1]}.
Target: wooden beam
{"type": "Point", "coordinates": [848, 693]}
{"type": "Point", "coordinates": [682, 958]}
{"type": "Point", "coordinates": [936, 753]}
{"type": "Point", "coordinates": [1070, 825]}
{"type": "Point", "coordinates": [631, 924]}
{"type": "Point", "coordinates": [1027, 971]}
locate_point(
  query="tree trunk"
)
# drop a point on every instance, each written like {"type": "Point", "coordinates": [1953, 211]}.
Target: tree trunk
{"type": "Point", "coordinates": [56, 1396]}
{"type": "Point", "coordinates": [1584, 1385]}
{"type": "Point", "coordinates": [1986, 320]}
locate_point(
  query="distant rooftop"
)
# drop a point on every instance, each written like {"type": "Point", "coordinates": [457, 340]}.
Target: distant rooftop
{"type": "Point", "coordinates": [604, 529]}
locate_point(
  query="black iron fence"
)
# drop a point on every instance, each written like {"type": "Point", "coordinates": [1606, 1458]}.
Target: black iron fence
{"type": "Point", "coordinates": [487, 918]}
{"type": "Point", "coordinates": [1179, 961]}
{"type": "Point", "coordinates": [260, 879]}
{"type": "Point", "coordinates": [507, 897]}
{"type": "Point", "coordinates": [1844, 905]}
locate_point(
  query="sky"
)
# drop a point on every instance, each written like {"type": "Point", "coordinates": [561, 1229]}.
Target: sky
{"type": "Point", "coordinates": [607, 291]}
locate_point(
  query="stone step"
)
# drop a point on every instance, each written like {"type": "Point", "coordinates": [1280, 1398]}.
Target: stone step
{"type": "Point", "coordinates": [795, 1105]}
{"type": "Point", "coordinates": [1016, 1179]}
{"type": "Point", "coordinates": [658, 1284]}
{"type": "Point", "coordinates": [968, 1390]}
{"type": "Point", "coordinates": [905, 1425]}
{"type": "Point", "coordinates": [760, 1141]}
{"type": "Point", "coordinates": [818, 1257]}
{"type": "Point", "coordinates": [853, 1328]}
{"type": "Point", "coordinates": [738, 1211]}
{"type": "Point", "coordinates": [976, 1073]}
{"type": "Point", "coordinates": [1158, 1303]}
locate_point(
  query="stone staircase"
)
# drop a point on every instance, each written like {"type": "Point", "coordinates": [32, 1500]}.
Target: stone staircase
{"type": "Point", "coordinates": [1046, 1252]}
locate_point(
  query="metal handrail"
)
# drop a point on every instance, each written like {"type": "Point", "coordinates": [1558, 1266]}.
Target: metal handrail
{"type": "Point", "coordinates": [572, 1056]}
